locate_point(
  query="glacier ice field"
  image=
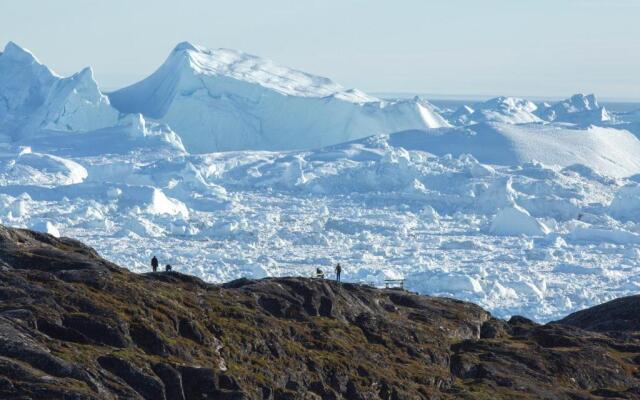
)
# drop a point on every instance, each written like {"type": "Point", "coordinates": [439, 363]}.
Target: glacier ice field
{"type": "Point", "coordinates": [226, 165]}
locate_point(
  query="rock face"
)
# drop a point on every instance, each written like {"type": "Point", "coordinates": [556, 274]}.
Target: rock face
{"type": "Point", "coordinates": [619, 315]}
{"type": "Point", "coordinates": [75, 326]}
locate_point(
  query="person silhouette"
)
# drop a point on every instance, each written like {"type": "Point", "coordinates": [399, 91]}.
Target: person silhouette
{"type": "Point", "coordinates": [338, 272]}
{"type": "Point", "coordinates": [154, 264]}
{"type": "Point", "coordinates": [167, 268]}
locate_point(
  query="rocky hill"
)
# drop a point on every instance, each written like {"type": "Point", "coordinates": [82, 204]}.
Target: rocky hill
{"type": "Point", "coordinates": [75, 326]}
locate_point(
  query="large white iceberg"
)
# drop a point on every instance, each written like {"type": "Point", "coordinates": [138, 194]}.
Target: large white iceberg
{"type": "Point", "coordinates": [223, 99]}
{"type": "Point", "coordinates": [33, 98]}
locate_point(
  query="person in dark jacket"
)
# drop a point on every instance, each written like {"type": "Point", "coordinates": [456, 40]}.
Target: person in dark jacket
{"type": "Point", "coordinates": [167, 268]}
{"type": "Point", "coordinates": [338, 272]}
{"type": "Point", "coordinates": [154, 264]}
{"type": "Point", "coordinates": [319, 273]}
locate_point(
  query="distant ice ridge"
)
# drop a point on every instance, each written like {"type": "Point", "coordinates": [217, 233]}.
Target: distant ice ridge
{"type": "Point", "coordinates": [510, 110]}
{"type": "Point", "coordinates": [579, 109]}
{"type": "Point", "coordinates": [506, 109]}
{"type": "Point", "coordinates": [222, 99]}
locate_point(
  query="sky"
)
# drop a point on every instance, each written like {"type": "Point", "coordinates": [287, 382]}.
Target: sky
{"type": "Point", "coordinates": [464, 48]}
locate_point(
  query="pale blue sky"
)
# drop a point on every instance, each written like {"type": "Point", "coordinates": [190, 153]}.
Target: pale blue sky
{"type": "Point", "coordinates": [538, 48]}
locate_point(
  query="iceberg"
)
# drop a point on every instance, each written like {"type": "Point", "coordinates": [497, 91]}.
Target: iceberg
{"type": "Point", "coordinates": [221, 100]}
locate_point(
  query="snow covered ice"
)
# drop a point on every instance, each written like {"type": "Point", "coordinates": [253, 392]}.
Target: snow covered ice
{"type": "Point", "coordinates": [227, 100]}
{"type": "Point", "coordinates": [578, 109]}
{"type": "Point", "coordinates": [523, 208]}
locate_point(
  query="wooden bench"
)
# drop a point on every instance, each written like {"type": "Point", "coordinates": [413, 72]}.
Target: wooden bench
{"type": "Point", "coordinates": [394, 283]}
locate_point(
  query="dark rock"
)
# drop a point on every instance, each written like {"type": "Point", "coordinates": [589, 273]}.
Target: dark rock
{"type": "Point", "coordinates": [199, 383]}
{"type": "Point", "coordinates": [19, 346]}
{"type": "Point", "coordinates": [273, 306]}
{"type": "Point", "coordinates": [493, 329]}
{"type": "Point", "coordinates": [147, 386]}
{"type": "Point", "coordinates": [238, 283]}
{"type": "Point", "coordinates": [6, 385]}
{"type": "Point", "coordinates": [161, 336]}
{"type": "Point", "coordinates": [229, 395]}
{"type": "Point", "coordinates": [405, 300]}
{"type": "Point", "coordinates": [172, 381]}
{"type": "Point", "coordinates": [617, 315]}
{"type": "Point", "coordinates": [177, 278]}
{"type": "Point", "coordinates": [88, 277]}
{"type": "Point", "coordinates": [60, 332]}
{"type": "Point", "coordinates": [97, 331]}
{"type": "Point", "coordinates": [23, 249]}
{"type": "Point", "coordinates": [227, 382]}
{"type": "Point", "coordinates": [267, 393]}
{"type": "Point", "coordinates": [610, 394]}
{"type": "Point", "coordinates": [554, 337]}
{"type": "Point", "coordinates": [189, 329]}
{"type": "Point", "coordinates": [326, 306]}
{"type": "Point", "coordinates": [148, 339]}
{"type": "Point", "coordinates": [7, 293]}
{"type": "Point", "coordinates": [369, 325]}
{"type": "Point", "coordinates": [520, 320]}
{"type": "Point", "coordinates": [520, 326]}
{"type": "Point", "coordinates": [466, 367]}
{"type": "Point", "coordinates": [25, 316]}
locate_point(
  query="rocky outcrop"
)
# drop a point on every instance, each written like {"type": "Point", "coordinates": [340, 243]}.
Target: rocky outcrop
{"type": "Point", "coordinates": [75, 326]}
{"type": "Point", "coordinates": [619, 315]}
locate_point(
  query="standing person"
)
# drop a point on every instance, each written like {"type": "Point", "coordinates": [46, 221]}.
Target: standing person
{"type": "Point", "coordinates": [338, 271]}
{"type": "Point", "coordinates": [154, 264]}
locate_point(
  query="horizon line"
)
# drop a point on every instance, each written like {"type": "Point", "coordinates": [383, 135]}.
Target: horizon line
{"type": "Point", "coordinates": [484, 97]}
